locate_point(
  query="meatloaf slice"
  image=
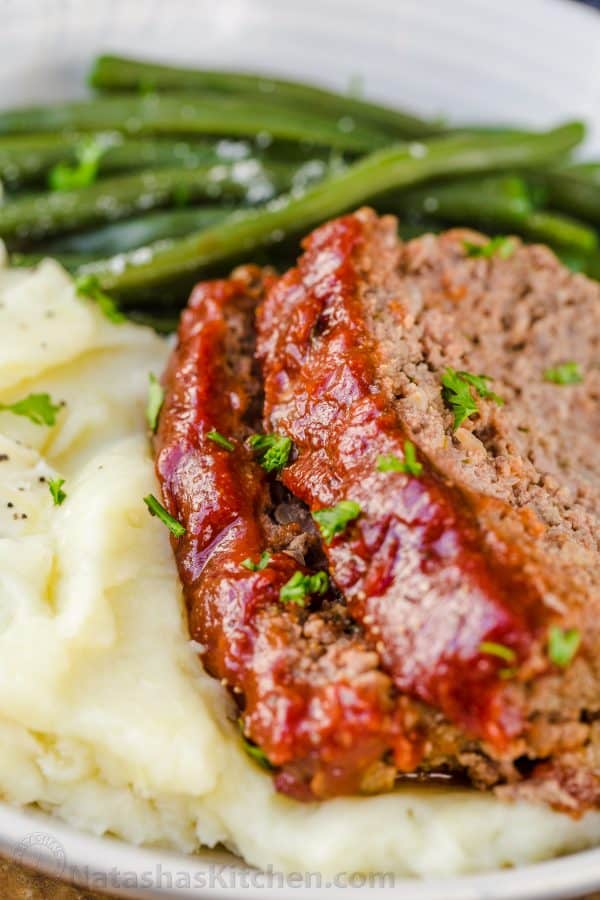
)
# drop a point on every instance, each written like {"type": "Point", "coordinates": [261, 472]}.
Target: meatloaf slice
{"type": "Point", "coordinates": [308, 684]}
{"type": "Point", "coordinates": [475, 571]}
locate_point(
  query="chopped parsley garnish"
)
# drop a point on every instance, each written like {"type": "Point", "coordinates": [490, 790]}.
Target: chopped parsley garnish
{"type": "Point", "coordinates": [55, 486]}
{"type": "Point", "coordinates": [265, 559]}
{"type": "Point", "coordinates": [255, 751]}
{"type": "Point", "coordinates": [409, 465]}
{"type": "Point", "coordinates": [490, 648]}
{"type": "Point", "coordinates": [38, 408]}
{"type": "Point", "coordinates": [300, 586]}
{"type": "Point", "coordinates": [563, 645]}
{"type": "Point", "coordinates": [273, 450]}
{"type": "Point", "coordinates": [498, 246]}
{"type": "Point", "coordinates": [89, 286]}
{"type": "Point", "coordinates": [335, 519]}
{"type": "Point", "coordinates": [479, 382]}
{"type": "Point", "coordinates": [566, 373]}
{"type": "Point", "coordinates": [158, 510]}
{"type": "Point", "coordinates": [66, 177]}
{"type": "Point", "coordinates": [457, 395]}
{"type": "Point", "coordinates": [220, 440]}
{"type": "Point", "coordinates": [456, 391]}
{"type": "Point", "coordinates": [156, 396]}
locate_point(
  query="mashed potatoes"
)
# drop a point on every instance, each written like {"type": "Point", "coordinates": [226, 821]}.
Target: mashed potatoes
{"type": "Point", "coordinates": [106, 717]}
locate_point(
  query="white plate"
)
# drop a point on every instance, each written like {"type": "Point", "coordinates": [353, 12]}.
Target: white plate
{"type": "Point", "coordinates": [529, 61]}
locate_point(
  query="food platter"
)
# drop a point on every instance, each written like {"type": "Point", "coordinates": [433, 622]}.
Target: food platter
{"type": "Point", "coordinates": [475, 62]}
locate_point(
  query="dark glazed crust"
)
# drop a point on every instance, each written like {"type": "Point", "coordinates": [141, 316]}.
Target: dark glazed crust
{"type": "Point", "coordinates": [416, 569]}
{"type": "Point", "coordinates": [309, 687]}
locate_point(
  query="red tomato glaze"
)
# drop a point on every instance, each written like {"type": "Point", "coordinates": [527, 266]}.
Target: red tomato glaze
{"type": "Point", "coordinates": [307, 684]}
{"type": "Point", "coordinates": [414, 567]}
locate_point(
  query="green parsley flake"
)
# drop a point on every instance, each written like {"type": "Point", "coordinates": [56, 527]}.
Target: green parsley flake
{"type": "Point", "coordinates": [273, 450]}
{"type": "Point", "coordinates": [566, 373]}
{"type": "Point", "coordinates": [498, 246]}
{"type": "Point", "coordinates": [563, 645]}
{"type": "Point", "coordinates": [255, 751]}
{"type": "Point", "coordinates": [156, 397]}
{"type": "Point", "coordinates": [265, 559]}
{"type": "Point", "coordinates": [409, 465]}
{"type": "Point", "coordinates": [456, 392]}
{"type": "Point", "coordinates": [58, 495]}
{"type": "Point", "coordinates": [300, 586]}
{"type": "Point", "coordinates": [220, 440]}
{"type": "Point", "coordinates": [38, 408]}
{"type": "Point", "coordinates": [335, 519]}
{"type": "Point", "coordinates": [479, 382]}
{"type": "Point", "coordinates": [89, 286]}
{"type": "Point", "coordinates": [66, 177]}
{"type": "Point", "coordinates": [158, 510]}
{"type": "Point", "coordinates": [490, 648]}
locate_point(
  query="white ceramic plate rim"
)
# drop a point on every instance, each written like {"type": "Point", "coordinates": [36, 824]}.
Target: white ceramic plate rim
{"type": "Point", "coordinates": [552, 21]}
{"type": "Point", "coordinates": [90, 857]}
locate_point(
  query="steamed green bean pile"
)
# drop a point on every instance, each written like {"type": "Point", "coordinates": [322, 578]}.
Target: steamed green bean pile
{"type": "Point", "coordinates": [168, 174]}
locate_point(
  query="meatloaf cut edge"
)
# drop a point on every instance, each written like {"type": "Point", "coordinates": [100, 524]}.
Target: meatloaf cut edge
{"type": "Point", "coordinates": [433, 306]}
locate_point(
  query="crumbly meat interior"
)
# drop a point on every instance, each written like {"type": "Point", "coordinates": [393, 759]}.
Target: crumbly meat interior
{"type": "Point", "coordinates": [511, 319]}
{"type": "Point", "coordinates": [432, 306]}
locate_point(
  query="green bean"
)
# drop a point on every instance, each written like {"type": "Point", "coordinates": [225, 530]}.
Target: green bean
{"type": "Point", "coordinates": [72, 262]}
{"type": "Point", "coordinates": [40, 215]}
{"type": "Point", "coordinates": [499, 200]}
{"type": "Point", "coordinates": [592, 266]}
{"type": "Point", "coordinates": [588, 171]}
{"type": "Point", "coordinates": [588, 263]}
{"type": "Point", "coordinates": [139, 232]}
{"type": "Point", "coordinates": [497, 203]}
{"type": "Point", "coordinates": [118, 73]}
{"type": "Point", "coordinates": [388, 169]}
{"type": "Point", "coordinates": [27, 158]}
{"type": "Point", "coordinates": [558, 231]}
{"type": "Point", "coordinates": [161, 324]}
{"type": "Point", "coordinates": [575, 189]}
{"type": "Point", "coordinates": [120, 237]}
{"type": "Point", "coordinates": [186, 114]}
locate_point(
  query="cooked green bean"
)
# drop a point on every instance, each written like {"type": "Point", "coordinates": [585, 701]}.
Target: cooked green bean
{"type": "Point", "coordinates": [496, 203]}
{"type": "Point", "coordinates": [40, 215]}
{"type": "Point", "coordinates": [588, 263]}
{"type": "Point", "coordinates": [186, 115]}
{"type": "Point", "coordinates": [558, 231]}
{"type": "Point", "coordinates": [162, 324]}
{"type": "Point", "coordinates": [27, 158]}
{"type": "Point", "coordinates": [117, 73]}
{"type": "Point", "coordinates": [575, 189]}
{"type": "Point", "coordinates": [386, 170]}
{"type": "Point", "coordinates": [497, 200]}
{"type": "Point", "coordinates": [120, 237]}
{"type": "Point", "coordinates": [139, 232]}
{"type": "Point", "coordinates": [71, 261]}
{"type": "Point", "coordinates": [588, 171]}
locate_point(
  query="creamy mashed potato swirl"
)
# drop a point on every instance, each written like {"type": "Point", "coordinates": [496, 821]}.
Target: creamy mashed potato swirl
{"type": "Point", "coordinates": [106, 716]}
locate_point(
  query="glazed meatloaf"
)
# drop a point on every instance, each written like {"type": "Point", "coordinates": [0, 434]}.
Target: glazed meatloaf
{"type": "Point", "coordinates": [400, 577]}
